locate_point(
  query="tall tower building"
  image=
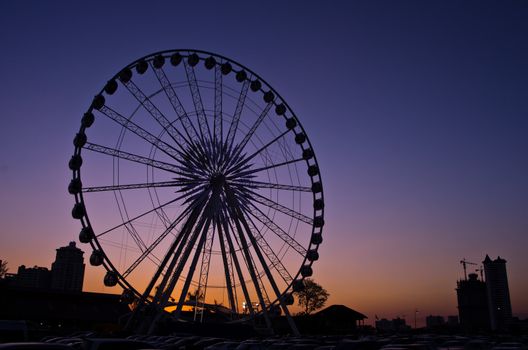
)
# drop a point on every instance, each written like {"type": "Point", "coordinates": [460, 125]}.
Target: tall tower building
{"type": "Point", "coordinates": [499, 304]}
{"type": "Point", "coordinates": [67, 272]}
{"type": "Point", "coordinates": [473, 304]}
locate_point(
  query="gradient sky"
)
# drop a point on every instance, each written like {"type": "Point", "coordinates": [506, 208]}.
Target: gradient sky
{"type": "Point", "coordinates": [417, 110]}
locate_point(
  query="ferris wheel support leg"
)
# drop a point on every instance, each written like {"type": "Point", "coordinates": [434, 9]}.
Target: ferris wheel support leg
{"type": "Point", "coordinates": [192, 268]}
{"type": "Point", "coordinates": [145, 295]}
{"type": "Point", "coordinates": [182, 260]}
{"type": "Point", "coordinates": [254, 242]}
{"type": "Point", "coordinates": [237, 266]}
{"type": "Point", "coordinates": [176, 246]}
{"type": "Point", "coordinates": [175, 254]}
{"type": "Point", "coordinates": [204, 273]}
{"type": "Point", "coordinates": [227, 271]}
{"type": "Point", "coordinates": [249, 262]}
{"type": "Point", "coordinates": [181, 264]}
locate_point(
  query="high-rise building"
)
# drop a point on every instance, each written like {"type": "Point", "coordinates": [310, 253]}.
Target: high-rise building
{"type": "Point", "coordinates": [473, 304]}
{"type": "Point", "coordinates": [500, 311]}
{"type": "Point", "coordinates": [67, 272]}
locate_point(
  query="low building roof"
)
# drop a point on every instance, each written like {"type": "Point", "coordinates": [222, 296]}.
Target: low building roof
{"type": "Point", "coordinates": [39, 304]}
{"type": "Point", "coordinates": [340, 312]}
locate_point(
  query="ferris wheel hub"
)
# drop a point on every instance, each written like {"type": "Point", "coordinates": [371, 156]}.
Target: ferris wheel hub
{"type": "Point", "coordinates": [217, 180]}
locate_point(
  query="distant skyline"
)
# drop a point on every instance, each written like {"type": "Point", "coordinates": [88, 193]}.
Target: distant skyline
{"type": "Point", "coordinates": [417, 112]}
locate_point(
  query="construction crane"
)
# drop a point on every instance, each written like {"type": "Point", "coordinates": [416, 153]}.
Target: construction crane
{"type": "Point", "coordinates": [480, 269]}
{"type": "Point", "coordinates": [464, 262]}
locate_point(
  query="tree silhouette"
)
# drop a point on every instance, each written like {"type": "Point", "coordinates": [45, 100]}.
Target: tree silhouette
{"type": "Point", "coordinates": [194, 297]}
{"type": "Point", "coordinates": [3, 268]}
{"type": "Point", "coordinates": [312, 297]}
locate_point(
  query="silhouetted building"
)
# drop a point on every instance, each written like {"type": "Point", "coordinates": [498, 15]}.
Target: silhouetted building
{"type": "Point", "coordinates": [499, 305]}
{"type": "Point", "coordinates": [67, 272]}
{"type": "Point", "coordinates": [339, 319]}
{"type": "Point", "coordinates": [452, 321]}
{"type": "Point", "coordinates": [395, 325]}
{"type": "Point", "coordinates": [473, 304]}
{"type": "Point", "coordinates": [335, 319]}
{"type": "Point", "coordinates": [62, 309]}
{"type": "Point", "coordinates": [33, 277]}
{"type": "Point", "coordinates": [434, 321]}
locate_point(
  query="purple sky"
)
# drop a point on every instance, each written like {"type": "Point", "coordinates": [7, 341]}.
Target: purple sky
{"type": "Point", "coordinates": [418, 113]}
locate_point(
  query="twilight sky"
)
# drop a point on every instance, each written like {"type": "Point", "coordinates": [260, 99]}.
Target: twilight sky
{"type": "Point", "coordinates": [417, 111]}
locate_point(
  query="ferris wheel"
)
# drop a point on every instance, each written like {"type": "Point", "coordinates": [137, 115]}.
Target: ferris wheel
{"type": "Point", "coordinates": [193, 177]}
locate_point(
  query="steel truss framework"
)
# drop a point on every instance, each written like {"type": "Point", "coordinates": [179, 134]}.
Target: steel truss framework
{"type": "Point", "coordinates": [231, 192]}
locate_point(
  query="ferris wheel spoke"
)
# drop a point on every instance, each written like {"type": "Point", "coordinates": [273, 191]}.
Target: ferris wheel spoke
{"type": "Point", "coordinates": [136, 237]}
{"type": "Point", "coordinates": [141, 215]}
{"type": "Point", "coordinates": [183, 117]}
{"type": "Point", "coordinates": [164, 234]}
{"type": "Point", "coordinates": [277, 230]}
{"type": "Point", "coordinates": [120, 245]}
{"type": "Point", "coordinates": [245, 160]}
{"type": "Point", "coordinates": [123, 212]}
{"type": "Point", "coordinates": [274, 205]}
{"type": "Point", "coordinates": [254, 127]}
{"type": "Point", "coordinates": [238, 148]}
{"type": "Point", "coordinates": [262, 260]}
{"type": "Point", "coordinates": [275, 186]}
{"type": "Point", "coordinates": [137, 186]}
{"type": "Point", "coordinates": [218, 117]}
{"type": "Point", "coordinates": [265, 247]}
{"type": "Point", "coordinates": [253, 171]}
{"type": "Point", "coordinates": [142, 133]}
{"type": "Point", "coordinates": [134, 158]}
{"type": "Point", "coordinates": [174, 133]}
{"type": "Point", "coordinates": [130, 228]}
{"type": "Point", "coordinates": [198, 105]}
{"type": "Point", "coordinates": [236, 117]}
